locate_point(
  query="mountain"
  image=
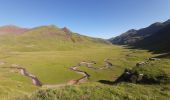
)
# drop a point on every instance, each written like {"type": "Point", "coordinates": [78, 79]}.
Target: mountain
{"type": "Point", "coordinates": [12, 29]}
{"type": "Point", "coordinates": [132, 36]}
{"type": "Point", "coordinates": [44, 38]}
{"type": "Point", "coordinates": [158, 42]}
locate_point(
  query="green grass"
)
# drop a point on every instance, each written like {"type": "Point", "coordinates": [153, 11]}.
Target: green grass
{"type": "Point", "coordinates": [156, 71]}
{"type": "Point", "coordinates": [49, 59]}
{"type": "Point", "coordinates": [96, 91]}
{"type": "Point", "coordinates": [57, 63]}
{"type": "Point", "coordinates": [51, 67]}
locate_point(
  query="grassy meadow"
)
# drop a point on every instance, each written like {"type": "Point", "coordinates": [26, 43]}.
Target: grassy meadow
{"type": "Point", "coordinates": [51, 67]}
{"type": "Point", "coordinates": [48, 52]}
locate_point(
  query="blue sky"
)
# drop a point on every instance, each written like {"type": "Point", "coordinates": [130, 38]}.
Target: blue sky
{"type": "Point", "coordinates": [97, 18]}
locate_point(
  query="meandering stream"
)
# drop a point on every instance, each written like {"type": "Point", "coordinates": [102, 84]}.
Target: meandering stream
{"type": "Point", "coordinates": [35, 81]}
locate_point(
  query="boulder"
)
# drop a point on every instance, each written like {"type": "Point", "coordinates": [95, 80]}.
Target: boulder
{"type": "Point", "coordinates": [140, 64]}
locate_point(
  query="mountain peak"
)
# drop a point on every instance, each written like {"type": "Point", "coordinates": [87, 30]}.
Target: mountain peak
{"type": "Point", "coordinates": [167, 22]}
{"type": "Point", "coordinates": [65, 29]}
{"type": "Point", "coordinates": [132, 30]}
{"type": "Point", "coordinates": [156, 24]}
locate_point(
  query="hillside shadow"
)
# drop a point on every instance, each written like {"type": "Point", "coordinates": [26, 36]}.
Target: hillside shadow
{"type": "Point", "coordinates": [106, 82]}
{"type": "Point", "coordinates": [155, 50]}
{"type": "Point", "coordinates": [164, 53]}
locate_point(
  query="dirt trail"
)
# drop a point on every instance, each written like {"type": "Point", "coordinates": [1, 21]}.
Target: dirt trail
{"type": "Point", "coordinates": [55, 85]}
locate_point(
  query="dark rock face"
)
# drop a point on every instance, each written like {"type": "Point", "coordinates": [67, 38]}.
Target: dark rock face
{"type": "Point", "coordinates": [65, 29]}
{"type": "Point", "coordinates": [128, 76]}
{"type": "Point", "coordinates": [158, 42]}
{"type": "Point", "coordinates": [135, 77]}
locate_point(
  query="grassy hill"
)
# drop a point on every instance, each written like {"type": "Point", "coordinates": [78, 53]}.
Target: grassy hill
{"type": "Point", "coordinates": [46, 38]}
{"type": "Point", "coordinates": [12, 29]}
{"type": "Point", "coordinates": [96, 91]}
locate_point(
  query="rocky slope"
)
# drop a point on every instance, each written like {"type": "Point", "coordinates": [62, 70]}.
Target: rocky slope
{"type": "Point", "coordinates": [158, 42]}
{"type": "Point", "coordinates": [132, 36]}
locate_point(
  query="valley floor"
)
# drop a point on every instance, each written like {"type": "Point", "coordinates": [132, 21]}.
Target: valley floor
{"type": "Point", "coordinates": [52, 68]}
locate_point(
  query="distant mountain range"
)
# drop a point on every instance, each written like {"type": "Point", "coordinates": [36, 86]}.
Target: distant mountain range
{"type": "Point", "coordinates": [44, 38]}
{"type": "Point", "coordinates": [155, 37]}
